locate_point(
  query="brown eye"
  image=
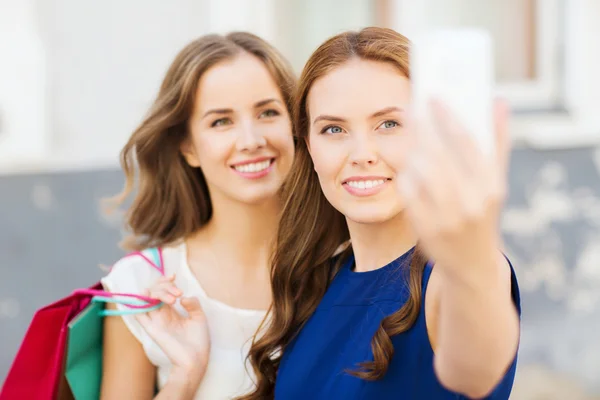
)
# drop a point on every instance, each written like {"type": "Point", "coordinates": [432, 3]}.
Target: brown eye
{"type": "Point", "coordinates": [269, 114]}
{"type": "Point", "coordinates": [221, 122]}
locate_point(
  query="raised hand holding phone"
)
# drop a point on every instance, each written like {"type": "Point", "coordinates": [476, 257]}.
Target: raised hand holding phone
{"type": "Point", "coordinates": [455, 180]}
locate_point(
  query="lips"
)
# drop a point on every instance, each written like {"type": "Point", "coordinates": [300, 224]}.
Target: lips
{"type": "Point", "coordinates": [253, 166]}
{"type": "Point", "coordinates": [365, 182]}
{"type": "Point", "coordinates": [365, 185]}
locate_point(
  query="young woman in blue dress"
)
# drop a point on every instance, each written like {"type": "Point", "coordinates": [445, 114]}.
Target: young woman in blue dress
{"type": "Point", "coordinates": [421, 303]}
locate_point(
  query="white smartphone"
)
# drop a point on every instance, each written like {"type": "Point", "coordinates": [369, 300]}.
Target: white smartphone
{"type": "Point", "coordinates": [456, 66]}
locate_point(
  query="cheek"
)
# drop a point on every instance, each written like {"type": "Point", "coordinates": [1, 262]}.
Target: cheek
{"type": "Point", "coordinates": [212, 150]}
{"type": "Point", "coordinates": [279, 138]}
{"type": "Point", "coordinates": [279, 135]}
{"type": "Point", "coordinates": [328, 161]}
{"type": "Point", "coordinates": [395, 151]}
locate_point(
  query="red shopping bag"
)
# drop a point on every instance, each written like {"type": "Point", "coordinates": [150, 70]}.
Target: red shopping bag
{"type": "Point", "coordinates": [37, 368]}
{"type": "Point", "coordinates": [37, 371]}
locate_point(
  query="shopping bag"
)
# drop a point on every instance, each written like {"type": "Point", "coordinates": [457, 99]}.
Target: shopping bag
{"type": "Point", "coordinates": [83, 366]}
{"type": "Point", "coordinates": [39, 368]}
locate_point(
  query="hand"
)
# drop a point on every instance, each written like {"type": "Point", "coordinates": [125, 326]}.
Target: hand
{"type": "Point", "coordinates": [454, 192]}
{"type": "Point", "coordinates": [185, 340]}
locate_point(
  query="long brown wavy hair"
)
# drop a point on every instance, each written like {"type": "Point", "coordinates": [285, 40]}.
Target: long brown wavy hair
{"type": "Point", "coordinates": [311, 229]}
{"type": "Point", "coordinates": [171, 198]}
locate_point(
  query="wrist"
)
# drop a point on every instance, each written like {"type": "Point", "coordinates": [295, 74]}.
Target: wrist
{"type": "Point", "coordinates": [485, 274]}
{"type": "Point", "coordinates": [186, 380]}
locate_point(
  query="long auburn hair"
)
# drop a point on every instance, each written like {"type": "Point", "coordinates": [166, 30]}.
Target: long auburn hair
{"type": "Point", "coordinates": [171, 198]}
{"type": "Point", "coordinates": [311, 229]}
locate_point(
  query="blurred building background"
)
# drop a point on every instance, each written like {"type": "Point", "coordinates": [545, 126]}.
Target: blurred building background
{"type": "Point", "coordinates": [77, 76]}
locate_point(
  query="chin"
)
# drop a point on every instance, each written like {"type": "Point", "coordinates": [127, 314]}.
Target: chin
{"type": "Point", "coordinates": [258, 195]}
{"type": "Point", "coordinates": [371, 213]}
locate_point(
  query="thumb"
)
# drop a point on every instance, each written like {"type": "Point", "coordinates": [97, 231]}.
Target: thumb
{"type": "Point", "coordinates": [192, 307]}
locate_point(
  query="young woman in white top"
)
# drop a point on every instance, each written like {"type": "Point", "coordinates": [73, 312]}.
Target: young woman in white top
{"type": "Point", "coordinates": [207, 164]}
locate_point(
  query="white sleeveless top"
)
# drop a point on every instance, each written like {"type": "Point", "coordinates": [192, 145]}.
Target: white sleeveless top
{"type": "Point", "coordinates": [231, 329]}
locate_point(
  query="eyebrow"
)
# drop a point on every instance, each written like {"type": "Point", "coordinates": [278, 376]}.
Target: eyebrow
{"type": "Point", "coordinates": [385, 111]}
{"type": "Point", "coordinates": [263, 103]}
{"type": "Point", "coordinates": [329, 118]}
{"type": "Point", "coordinates": [223, 111]}
{"type": "Point", "coordinates": [379, 113]}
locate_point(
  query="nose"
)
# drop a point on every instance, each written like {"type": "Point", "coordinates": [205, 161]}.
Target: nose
{"type": "Point", "coordinates": [364, 151]}
{"type": "Point", "coordinates": [250, 138]}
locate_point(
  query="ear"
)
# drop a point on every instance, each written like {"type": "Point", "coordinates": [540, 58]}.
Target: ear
{"type": "Point", "coordinates": [189, 153]}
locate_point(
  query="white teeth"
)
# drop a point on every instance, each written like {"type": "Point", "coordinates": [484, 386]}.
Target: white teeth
{"type": "Point", "coordinates": [365, 184]}
{"type": "Point", "coordinates": [253, 167]}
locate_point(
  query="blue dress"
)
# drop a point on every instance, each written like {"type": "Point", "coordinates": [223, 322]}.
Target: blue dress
{"type": "Point", "coordinates": [338, 336]}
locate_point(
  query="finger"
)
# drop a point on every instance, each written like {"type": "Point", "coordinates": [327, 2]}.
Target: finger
{"type": "Point", "coordinates": [169, 287]}
{"type": "Point", "coordinates": [417, 205]}
{"type": "Point", "coordinates": [166, 278]}
{"type": "Point", "coordinates": [174, 290]}
{"type": "Point", "coordinates": [503, 142]}
{"type": "Point", "coordinates": [407, 188]}
{"type": "Point", "coordinates": [192, 307]}
{"type": "Point", "coordinates": [457, 138]}
{"type": "Point", "coordinates": [421, 176]}
{"type": "Point", "coordinates": [436, 170]}
{"type": "Point", "coordinates": [161, 293]}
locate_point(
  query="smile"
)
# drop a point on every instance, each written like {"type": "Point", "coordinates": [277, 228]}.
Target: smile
{"type": "Point", "coordinates": [254, 169]}
{"type": "Point", "coordinates": [365, 186]}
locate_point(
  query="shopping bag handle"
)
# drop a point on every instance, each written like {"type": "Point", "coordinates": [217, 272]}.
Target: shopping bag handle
{"type": "Point", "coordinates": [134, 302]}
{"type": "Point", "coordinates": [144, 307]}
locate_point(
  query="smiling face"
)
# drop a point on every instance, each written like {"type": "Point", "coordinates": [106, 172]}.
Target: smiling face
{"type": "Point", "coordinates": [240, 131]}
{"type": "Point", "coordinates": [356, 138]}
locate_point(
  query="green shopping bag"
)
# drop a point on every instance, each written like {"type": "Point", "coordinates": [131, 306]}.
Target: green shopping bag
{"type": "Point", "coordinates": [83, 368]}
{"type": "Point", "coordinates": [83, 365]}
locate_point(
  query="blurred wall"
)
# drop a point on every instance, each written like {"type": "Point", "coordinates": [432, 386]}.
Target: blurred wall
{"type": "Point", "coordinates": [101, 66]}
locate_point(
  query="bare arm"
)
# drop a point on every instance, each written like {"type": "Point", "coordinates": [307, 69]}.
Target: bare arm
{"type": "Point", "coordinates": [126, 371]}
{"type": "Point", "coordinates": [473, 327]}
{"type": "Point", "coordinates": [454, 195]}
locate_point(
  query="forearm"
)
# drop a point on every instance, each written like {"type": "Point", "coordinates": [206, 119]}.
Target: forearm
{"type": "Point", "coordinates": [181, 385]}
{"type": "Point", "coordinates": [478, 329]}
